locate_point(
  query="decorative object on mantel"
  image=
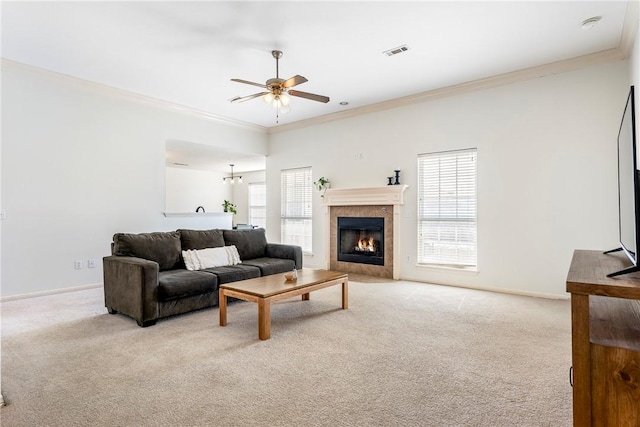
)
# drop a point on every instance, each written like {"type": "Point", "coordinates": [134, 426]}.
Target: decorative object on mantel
{"type": "Point", "coordinates": [227, 206]}
{"type": "Point", "coordinates": [198, 209]}
{"type": "Point", "coordinates": [232, 178]}
{"type": "Point", "coordinates": [397, 178]}
{"type": "Point", "coordinates": [322, 184]}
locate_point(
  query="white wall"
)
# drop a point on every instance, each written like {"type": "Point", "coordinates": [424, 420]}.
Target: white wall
{"type": "Point", "coordinates": [186, 189]}
{"type": "Point", "coordinates": [80, 164]}
{"type": "Point", "coordinates": [546, 172]}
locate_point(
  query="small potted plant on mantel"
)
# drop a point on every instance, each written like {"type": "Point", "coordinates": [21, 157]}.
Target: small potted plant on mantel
{"type": "Point", "coordinates": [322, 184]}
{"type": "Point", "coordinates": [227, 206]}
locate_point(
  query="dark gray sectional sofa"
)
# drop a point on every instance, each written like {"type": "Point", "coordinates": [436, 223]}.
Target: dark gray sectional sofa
{"type": "Point", "coordinates": [146, 279]}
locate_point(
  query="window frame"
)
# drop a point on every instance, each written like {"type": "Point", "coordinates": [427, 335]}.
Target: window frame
{"type": "Point", "coordinates": [461, 218]}
{"type": "Point", "coordinates": [250, 218]}
{"type": "Point", "coordinates": [304, 217]}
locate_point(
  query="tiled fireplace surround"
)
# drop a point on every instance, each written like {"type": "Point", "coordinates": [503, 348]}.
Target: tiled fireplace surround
{"type": "Point", "coordinates": [383, 202]}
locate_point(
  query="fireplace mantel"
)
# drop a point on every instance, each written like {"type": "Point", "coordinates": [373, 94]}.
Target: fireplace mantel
{"type": "Point", "coordinates": [387, 195]}
{"type": "Point", "coordinates": [348, 199]}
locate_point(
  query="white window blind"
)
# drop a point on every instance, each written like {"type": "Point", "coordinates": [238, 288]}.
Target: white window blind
{"type": "Point", "coordinates": [258, 204]}
{"type": "Point", "coordinates": [447, 214]}
{"type": "Point", "coordinates": [296, 211]}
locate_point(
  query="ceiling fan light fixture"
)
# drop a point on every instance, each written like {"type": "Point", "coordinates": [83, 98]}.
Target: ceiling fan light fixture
{"type": "Point", "coordinates": [279, 90]}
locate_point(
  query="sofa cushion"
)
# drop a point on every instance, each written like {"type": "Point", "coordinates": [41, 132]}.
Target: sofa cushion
{"type": "Point", "coordinates": [269, 266]}
{"type": "Point", "coordinates": [175, 284]}
{"type": "Point", "coordinates": [199, 259]}
{"type": "Point", "coordinates": [233, 273]}
{"type": "Point", "coordinates": [250, 243]}
{"type": "Point", "coordinates": [201, 239]}
{"type": "Point", "coordinates": [161, 247]}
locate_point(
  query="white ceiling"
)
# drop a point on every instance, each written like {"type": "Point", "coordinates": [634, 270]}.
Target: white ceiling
{"type": "Point", "coordinates": [187, 52]}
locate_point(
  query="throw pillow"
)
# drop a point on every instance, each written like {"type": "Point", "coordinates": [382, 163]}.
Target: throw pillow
{"type": "Point", "coordinates": [199, 259]}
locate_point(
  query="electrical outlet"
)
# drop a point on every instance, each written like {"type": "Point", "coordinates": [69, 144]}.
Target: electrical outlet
{"type": "Point", "coordinates": [91, 263]}
{"type": "Point", "coordinates": [408, 258]}
{"type": "Point", "coordinates": [78, 264]}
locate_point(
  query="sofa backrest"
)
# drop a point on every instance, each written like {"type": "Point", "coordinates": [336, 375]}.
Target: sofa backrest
{"type": "Point", "coordinates": [165, 247]}
{"type": "Point", "coordinates": [161, 247]}
{"type": "Point", "coordinates": [250, 243]}
{"type": "Point", "coordinates": [201, 239]}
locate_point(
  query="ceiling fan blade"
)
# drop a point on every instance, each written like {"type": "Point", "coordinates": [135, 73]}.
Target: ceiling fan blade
{"type": "Point", "coordinates": [248, 97]}
{"type": "Point", "coordinates": [294, 81]}
{"type": "Point", "coordinates": [249, 83]}
{"type": "Point", "coordinates": [311, 96]}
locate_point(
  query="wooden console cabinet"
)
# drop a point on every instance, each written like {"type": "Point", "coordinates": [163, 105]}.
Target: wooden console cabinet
{"type": "Point", "coordinates": [605, 316]}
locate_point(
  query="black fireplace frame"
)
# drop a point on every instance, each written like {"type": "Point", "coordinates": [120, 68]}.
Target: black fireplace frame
{"type": "Point", "coordinates": [363, 224]}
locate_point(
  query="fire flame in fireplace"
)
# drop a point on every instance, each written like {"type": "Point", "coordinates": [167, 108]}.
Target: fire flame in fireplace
{"type": "Point", "coordinates": [366, 245]}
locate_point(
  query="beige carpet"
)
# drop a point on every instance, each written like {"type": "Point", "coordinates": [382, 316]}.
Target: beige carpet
{"type": "Point", "coordinates": [403, 354]}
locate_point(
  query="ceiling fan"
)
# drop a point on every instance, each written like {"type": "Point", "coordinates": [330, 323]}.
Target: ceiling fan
{"type": "Point", "coordinates": [279, 89]}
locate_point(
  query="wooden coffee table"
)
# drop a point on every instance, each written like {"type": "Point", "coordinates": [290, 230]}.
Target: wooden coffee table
{"type": "Point", "coordinates": [267, 289]}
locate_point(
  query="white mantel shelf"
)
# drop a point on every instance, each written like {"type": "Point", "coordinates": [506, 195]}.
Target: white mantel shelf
{"type": "Point", "coordinates": [387, 195]}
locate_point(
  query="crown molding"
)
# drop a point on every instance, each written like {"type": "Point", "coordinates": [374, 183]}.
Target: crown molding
{"type": "Point", "coordinates": [629, 30]}
{"type": "Point", "coordinates": [627, 37]}
{"type": "Point", "coordinates": [557, 67]}
{"type": "Point", "coordinates": [630, 27]}
{"type": "Point", "coordinates": [122, 94]}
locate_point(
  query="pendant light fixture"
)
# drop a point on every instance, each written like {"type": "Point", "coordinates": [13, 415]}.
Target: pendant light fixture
{"type": "Point", "coordinates": [232, 179]}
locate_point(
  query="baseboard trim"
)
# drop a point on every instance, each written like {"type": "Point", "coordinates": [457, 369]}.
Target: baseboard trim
{"type": "Point", "coordinates": [51, 292]}
{"type": "Point", "coordinates": [408, 279]}
{"type": "Point", "coordinates": [496, 290]}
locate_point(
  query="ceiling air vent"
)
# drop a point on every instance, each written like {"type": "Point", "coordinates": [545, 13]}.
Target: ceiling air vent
{"type": "Point", "coordinates": [396, 50]}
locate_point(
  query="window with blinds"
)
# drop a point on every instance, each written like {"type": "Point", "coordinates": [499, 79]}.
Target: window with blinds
{"type": "Point", "coordinates": [296, 210]}
{"type": "Point", "coordinates": [258, 204]}
{"type": "Point", "coordinates": [447, 214]}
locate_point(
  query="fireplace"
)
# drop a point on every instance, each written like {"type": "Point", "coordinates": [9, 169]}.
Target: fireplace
{"type": "Point", "coordinates": [380, 203]}
{"type": "Point", "coordinates": [361, 240]}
